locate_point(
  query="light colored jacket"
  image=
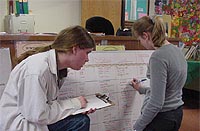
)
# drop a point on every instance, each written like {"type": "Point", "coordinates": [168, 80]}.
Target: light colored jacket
{"type": "Point", "coordinates": [29, 101]}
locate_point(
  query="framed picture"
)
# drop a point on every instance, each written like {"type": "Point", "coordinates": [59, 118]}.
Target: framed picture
{"type": "Point", "coordinates": [132, 10]}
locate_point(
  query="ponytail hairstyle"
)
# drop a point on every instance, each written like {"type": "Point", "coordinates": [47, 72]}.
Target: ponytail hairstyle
{"type": "Point", "coordinates": [64, 42]}
{"type": "Point", "coordinates": [154, 25]}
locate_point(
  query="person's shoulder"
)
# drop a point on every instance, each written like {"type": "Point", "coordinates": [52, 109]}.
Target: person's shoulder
{"type": "Point", "coordinates": [37, 63]}
{"type": "Point", "coordinates": [165, 49]}
{"type": "Point", "coordinates": [161, 52]}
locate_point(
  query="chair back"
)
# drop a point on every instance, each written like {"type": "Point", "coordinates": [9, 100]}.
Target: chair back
{"type": "Point", "coordinates": [98, 24]}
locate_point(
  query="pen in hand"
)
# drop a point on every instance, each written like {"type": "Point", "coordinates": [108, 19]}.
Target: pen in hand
{"type": "Point", "coordinates": [141, 80]}
{"type": "Point", "coordinates": [137, 82]}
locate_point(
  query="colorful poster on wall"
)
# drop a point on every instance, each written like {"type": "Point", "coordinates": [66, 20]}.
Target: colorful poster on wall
{"type": "Point", "coordinates": [185, 20]}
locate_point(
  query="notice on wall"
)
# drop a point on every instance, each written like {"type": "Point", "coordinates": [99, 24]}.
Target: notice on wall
{"type": "Point", "coordinates": [23, 46]}
{"type": "Point", "coordinates": [5, 67]}
{"type": "Point", "coordinates": [109, 72]}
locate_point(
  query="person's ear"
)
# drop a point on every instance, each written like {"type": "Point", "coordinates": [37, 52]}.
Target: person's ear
{"type": "Point", "coordinates": [145, 35]}
{"type": "Point", "coordinates": [74, 49]}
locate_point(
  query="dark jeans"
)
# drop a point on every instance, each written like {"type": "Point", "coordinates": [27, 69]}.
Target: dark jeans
{"type": "Point", "coordinates": [78, 122]}
{"type": "Point", "coordinates": [166, 121]}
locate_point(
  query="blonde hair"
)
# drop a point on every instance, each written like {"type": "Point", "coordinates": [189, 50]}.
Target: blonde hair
{"type": "Point", "coordinates": [153, 25]}
{"type": "Point", "coordinates": [65, 40]}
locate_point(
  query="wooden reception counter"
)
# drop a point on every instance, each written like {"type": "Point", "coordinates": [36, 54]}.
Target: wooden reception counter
{"type": "Point", "coordinates": [20, 43]}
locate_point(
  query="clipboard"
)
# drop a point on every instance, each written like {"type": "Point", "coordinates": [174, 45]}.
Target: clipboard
{"type": "Point", "coordinates": [97, 101]}
{"type": "Point", "coordinates": [104, 98]}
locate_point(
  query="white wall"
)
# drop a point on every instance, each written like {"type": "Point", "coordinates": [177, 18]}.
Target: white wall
{"type": "Point", "coordinates": [3, 12]}
{"type": "Point", "coordinates": [50, 15]}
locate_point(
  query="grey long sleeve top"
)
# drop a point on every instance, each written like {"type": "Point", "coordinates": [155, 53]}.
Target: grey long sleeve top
{"type": "Point", "coordinates": [168, 73]}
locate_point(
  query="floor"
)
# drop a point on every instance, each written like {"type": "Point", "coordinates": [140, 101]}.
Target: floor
{"type": "Point", "coordinates": [191, 111]}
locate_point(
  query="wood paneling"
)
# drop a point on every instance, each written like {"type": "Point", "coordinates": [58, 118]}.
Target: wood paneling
{"type": "Point", "coordinates": [110, 9]}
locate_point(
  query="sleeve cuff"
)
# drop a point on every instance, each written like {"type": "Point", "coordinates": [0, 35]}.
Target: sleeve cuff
{"type": "Point", "coordinates": [142, 90]}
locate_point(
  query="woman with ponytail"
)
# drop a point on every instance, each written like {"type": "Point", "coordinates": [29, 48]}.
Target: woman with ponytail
{"type": "Point", "coordinates": [30, 100]}
{"type": "Point", "coordinates": [167, 71]}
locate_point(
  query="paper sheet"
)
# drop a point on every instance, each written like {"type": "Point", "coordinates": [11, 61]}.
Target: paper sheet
{"type": "Point", "coordinates": [110, 72]}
